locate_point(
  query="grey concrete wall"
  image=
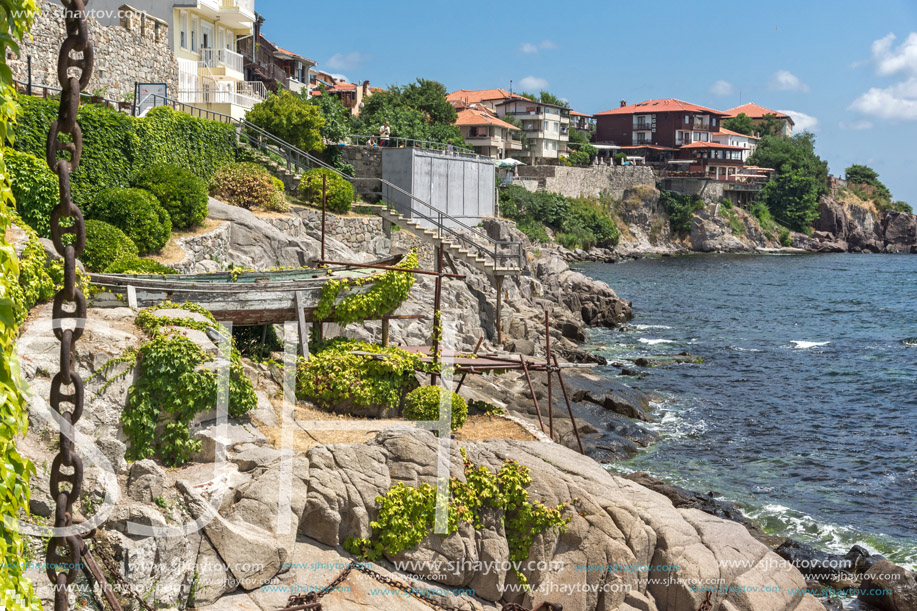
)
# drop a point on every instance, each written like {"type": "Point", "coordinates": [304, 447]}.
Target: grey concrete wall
{"type": "Point", "coordinates": [462, 186]}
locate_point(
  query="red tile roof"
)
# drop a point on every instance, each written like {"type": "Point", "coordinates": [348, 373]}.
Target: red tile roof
{"type": "Point", "coordinates": [711, 145]}
{"type": "Point", "coordinates": [573, 113]}
{"type": "Point", "coordinates": [755, 112]}
{"type": "Point", "coordinates": [472, 96]}
{"type": "Point", "coordinates": [472, 116]}
{"type": "Point", "coordinates": [729, 132]}
{"type": "Point", "coordinates": [666, 105]}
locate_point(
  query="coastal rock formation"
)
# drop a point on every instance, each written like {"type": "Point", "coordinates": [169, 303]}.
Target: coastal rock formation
{"type": "Point", "coordinates": [620, 524]}
{"type": "Point", "coordinates": [849, 226]}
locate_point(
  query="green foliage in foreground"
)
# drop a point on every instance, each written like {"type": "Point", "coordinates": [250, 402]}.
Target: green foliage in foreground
{"type": "Point", "coordinates": [407, 514]}
{"type": "Point", "coordinates": [105, 245]}
{"type": "Point", "coordinates": [173, 386]}
{"type": "Point", "coordinates": [681, 209]}
{"type": "Point", "coordinates": [181, 193]}
{"type": "Point", "coordinates": [339, 193]}
{"type": "Point", "coordinates": [35, 188]}
{"type": "Point", "coordinates": [422, 404]}
{"type": "Point", "coordinates": [388, 291]}
{"type": "Point", "coordinates": [577, 223]}
{"type": "Point", "coordinates": [334, 375]}
{"type": "Point", "coordinates": [135, 212]}
{"type": "Point", "coordinates": [290, 118]}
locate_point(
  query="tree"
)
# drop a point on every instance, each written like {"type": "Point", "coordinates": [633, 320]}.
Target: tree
{"type": "Point", "coordinates": [338, 123]}
{"type": "Point", "coordinates": [792, 199]}
{"type": "Point", "coordinates": [419, 111]}
{"type": "Point", "coordinates": [546, 97]}
{"type": "Point", "coordinates": [769, 125]}
{"type": "Point", "coordinates": [290, 118]}
{"type": "Point", "coordinates": [858, 174]}
{"type": "Point", "coordinates": [802, 176]}
{"type": "Point", "coordinates": [578, 138]}
{"type": "Point", "coordinates": [741, 123]}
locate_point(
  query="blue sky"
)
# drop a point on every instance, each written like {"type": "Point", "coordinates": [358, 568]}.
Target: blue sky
{"type": "Point", "coordinates": [851, 67]}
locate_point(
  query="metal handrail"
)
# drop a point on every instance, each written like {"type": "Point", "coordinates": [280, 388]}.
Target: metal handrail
{"type": "Point", "coordinates": [117, 104]}
{"type": "Point", "coordinates": [414, 143]}
{"type": "Point", "coordinates": [246, 130]}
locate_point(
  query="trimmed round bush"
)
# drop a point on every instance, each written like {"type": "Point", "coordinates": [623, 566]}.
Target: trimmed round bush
{"type": "Point", "coordinates": [423, 404]}
{"type": "Point", "coordinates": [278, 202]}
{"type": "Point", "coordinates": [136, 265]}
{"type": "Point", "coordinates": [247, 185]}
{"type": "Point", "coordinates": [181, 193]}
{"type": "Point", "coordinates": [105, 245]}
{"type": "Point", "coordinates": [135, 212]}
{"type": "Point", "coordinates": [339, 190]}
{"type": "Point", "coordinates": [35, 188]}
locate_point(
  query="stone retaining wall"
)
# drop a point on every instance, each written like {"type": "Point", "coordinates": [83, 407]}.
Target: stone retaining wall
{"type": "Point", "coordinates": [208, 252]}
{"type": "Point", "coordinates": [360, 233]}
{"type": "Point", "coordinates": [591, 182]}
{"type": "Point", "coordinates": [138, 50]}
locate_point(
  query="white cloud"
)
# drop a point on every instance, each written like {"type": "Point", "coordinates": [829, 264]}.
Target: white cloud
{"type": "Point", "coordinates": [891, 61]}
{"type": "Point", "coordinates": [802, 121]}
{"type": "Point", "coordinates": [784, 80]}
{"type": "Point", "coordinates": [897, 101]}
{"type": "Point", "coordinates": [856, 125]}
{"type": "Point", "coordinates": [722, 88]}
{"type": "Point", "coordinates": [345, 61]}
{"type": "Point", "coordinates": [533, 83]}
{"type": "Point", "coordinates": [531, 48]}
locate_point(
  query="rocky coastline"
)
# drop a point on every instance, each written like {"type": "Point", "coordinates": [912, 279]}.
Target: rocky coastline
{"type": "Point", "coordinates": [256, 548]}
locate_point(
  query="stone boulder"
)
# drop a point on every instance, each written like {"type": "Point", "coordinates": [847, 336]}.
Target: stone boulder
{"type": "Point", "coordinates": [710, 233]}
{"type": "Point", "coordinates": [618, 521]}
{"type": "Point", "coordinates": [900, 231]}
{"type": "Point", "coordinates": [146, 481]}
{"type": "Point", "coordinates": [618, 398]}
{"type": "Point", "coordinates": [897, 585]}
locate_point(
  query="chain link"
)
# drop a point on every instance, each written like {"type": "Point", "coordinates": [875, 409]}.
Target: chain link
{"type": "Point", "coordinates": [65, 550]}
{"type": "Point", "coordinates": [311, 601]}
{"type": "Point", "coordinates": [125, 585]}
{"type": "Point", "coordinates": [707, 605]}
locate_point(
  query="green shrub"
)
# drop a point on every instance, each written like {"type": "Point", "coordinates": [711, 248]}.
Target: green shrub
{"type": "Point", "coordinates": [785, 239]}
{"type": "Point", "coordinates": [181, 193]}
{"type": "Point", "coordinates": [136, 265]}
{"type": "Point", "coordinates": [290, 118]}
{"type": "Point", "coordinates": [105, 245]}
{"type": "Point", "coordinates": [581, 158]}
{"type": "Point", "coordinates": [278, 201]}
{"type": "Point", "coordinates": [135, 212]}
{"type": "Point", "coordinates": [339, 190]}
{"type": "Point", "coordinates": [247, 185]}
{"type": "Point", "coordinates": [114, 144]}
{"type": "Point", "coordinates": [681, 209]}
{"type": "Point", "coordinates": [422, 404]}
{"type": "Point", "coordinates": [35, 188]}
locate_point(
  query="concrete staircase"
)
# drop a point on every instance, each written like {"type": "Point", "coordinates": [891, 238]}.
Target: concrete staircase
{"type": "Point", "coordinates": [456, 251]}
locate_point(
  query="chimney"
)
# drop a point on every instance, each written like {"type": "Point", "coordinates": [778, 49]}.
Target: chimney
{"type": "Point", "coordinates": [365, 88]}
{"type": "Point", "coordinates": [623, 103]}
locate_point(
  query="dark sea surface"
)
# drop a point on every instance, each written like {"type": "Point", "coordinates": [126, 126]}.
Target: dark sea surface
{"type": "Point", "coordinates": [804, 411]}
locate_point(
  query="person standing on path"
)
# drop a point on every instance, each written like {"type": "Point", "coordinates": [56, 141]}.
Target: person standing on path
{"type": "Point", "coordinates": [384, 133]}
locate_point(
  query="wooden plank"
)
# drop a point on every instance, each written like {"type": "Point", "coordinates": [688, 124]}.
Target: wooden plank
{"type": "Point", "coordinates": [301, 318]}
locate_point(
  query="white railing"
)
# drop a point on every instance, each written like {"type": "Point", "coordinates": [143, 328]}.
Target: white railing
{"type": "Point", "coordinates": [216, 58]}
{"type": "Point", "coordinates": [241, 93]}
{"type": "Point", "coordinates": [246, 6]}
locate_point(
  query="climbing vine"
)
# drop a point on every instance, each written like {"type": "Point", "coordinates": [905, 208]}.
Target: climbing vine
{"type": "Point", "coordinates": [406, 513]}
{"type": "Point", "coordinates": [389, 290]}
{"type": "Point", "coordinates": [336, 374]}
{"type": "Point", "coordinates": [16, 591]}
{"type": "Point", "coordinates": [174, 385]}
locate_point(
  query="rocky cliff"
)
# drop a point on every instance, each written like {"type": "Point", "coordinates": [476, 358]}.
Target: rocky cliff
{"type": "Point", "coordinates": [857, 226]}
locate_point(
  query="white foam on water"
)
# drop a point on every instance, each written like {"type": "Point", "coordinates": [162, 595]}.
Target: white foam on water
{"type": "Point", "coordinates": [653, 342]}
{"type": "Point", "coordinates": [803, 345]}
{"type": "Point", "coordinates": [651, 327]}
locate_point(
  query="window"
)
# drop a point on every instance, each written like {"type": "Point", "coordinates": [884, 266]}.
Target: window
{"type": "Point", "coordinates": [194, 34]}
{"type": "Point", "coordinates": [544, 126]}
{"type": "Point", "coordinates": [687, 120]}
{"type": "Point", "coordinates": [473, 132]}
{"type": "Point", "coordinates": [183, 37]}
{"type": "Point", "coordinates": [713, 121]}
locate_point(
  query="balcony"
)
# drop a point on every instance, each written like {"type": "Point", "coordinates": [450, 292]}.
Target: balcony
{"type": "Point", "coordinates": [244, 94]}
{"type": "Point", "coordinates": [217, 61]}
{"type": "Point", "coordinates": [237, 14]}
{"type": "Point", "coordinates": [643, 126]}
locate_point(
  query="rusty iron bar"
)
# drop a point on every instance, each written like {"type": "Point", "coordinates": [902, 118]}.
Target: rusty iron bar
{"type": "Point", "coordinates": [547, 339]}
{"type": "Point", "coordinates": [528, 378]}
{"type": "Point", "coordinates": [563, 388]}
{"type": "Point", "coordinates": [464, 375]}
{"type": "Point", "coordinates": [96, 572]}
{"type": "Point", "coordinates": [422, 272]}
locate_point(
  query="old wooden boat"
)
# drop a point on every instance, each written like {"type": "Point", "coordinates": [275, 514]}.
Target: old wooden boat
{"type": "Point", "coordinates": [245, 298]}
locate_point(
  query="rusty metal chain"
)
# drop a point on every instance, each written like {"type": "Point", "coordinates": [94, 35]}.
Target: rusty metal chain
{"type": "Point", "coordinates": [311, 601]}
{"type": "Point", "coordinates": [65, 550]}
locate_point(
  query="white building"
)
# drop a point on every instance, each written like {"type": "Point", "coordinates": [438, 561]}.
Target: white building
{"type": "Point", "coordinates": [546, 127]}
{"type": "Point", "coordinates": [731, 138]}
